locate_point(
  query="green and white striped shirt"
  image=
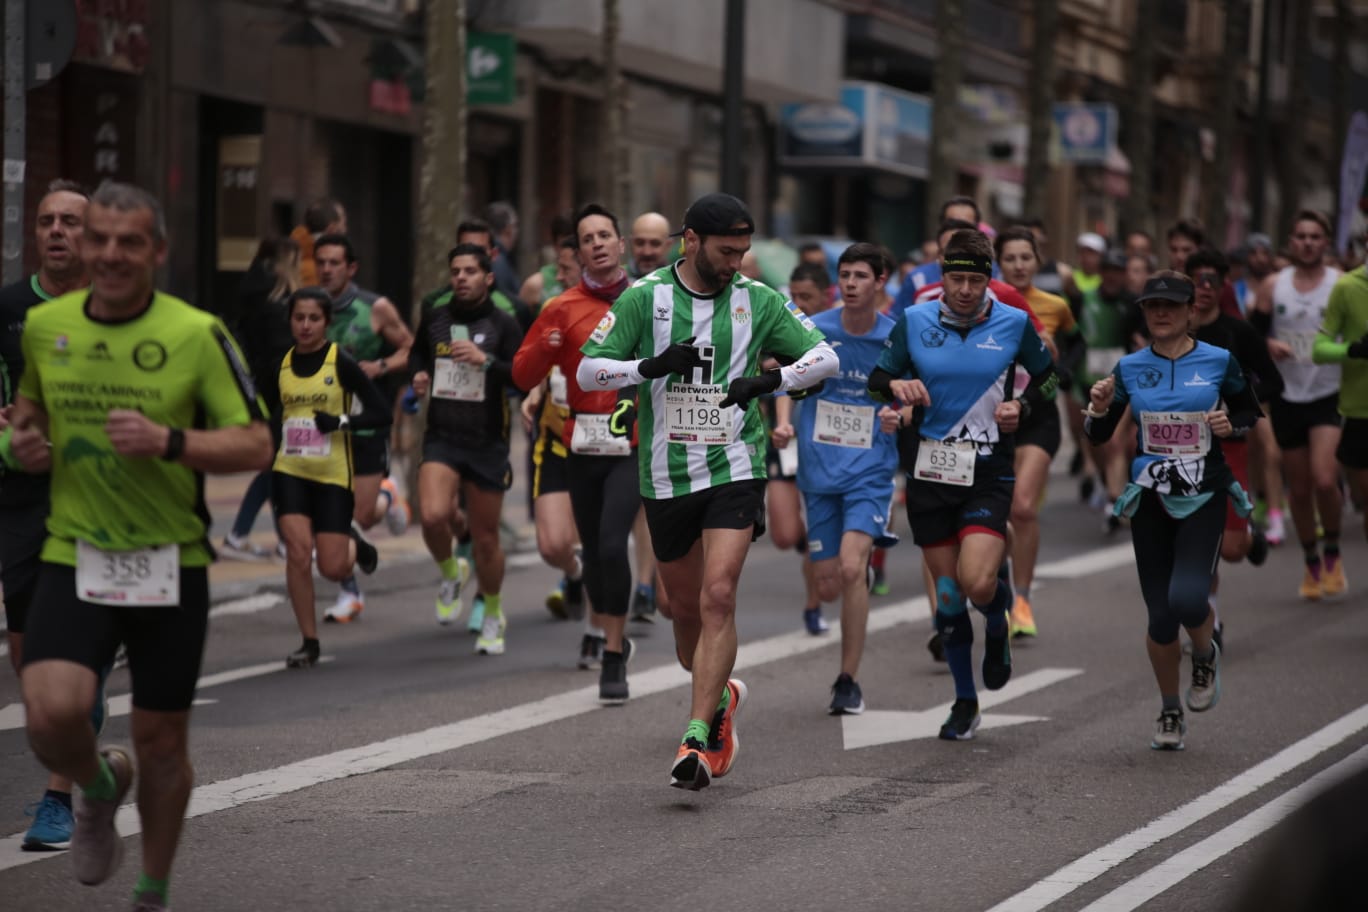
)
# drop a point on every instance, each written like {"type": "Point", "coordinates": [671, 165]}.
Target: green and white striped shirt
{"type": "Point", "coordinates": [686, 443]}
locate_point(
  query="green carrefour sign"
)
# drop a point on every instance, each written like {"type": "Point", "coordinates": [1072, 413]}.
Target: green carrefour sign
{"type": "Point", "coordinates": [489, 68]}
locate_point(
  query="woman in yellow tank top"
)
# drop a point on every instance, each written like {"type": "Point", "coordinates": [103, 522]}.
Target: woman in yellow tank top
{"type": "Point", "coordinates": [1038, 438]}
{"type": "Point", "coordinates": [317, 389]}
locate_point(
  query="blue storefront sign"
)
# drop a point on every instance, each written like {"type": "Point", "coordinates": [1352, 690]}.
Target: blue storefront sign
{"type": "Point", "coordinates": [871, 126]}
{"type": "Point", "coordinates": [1086, 132]}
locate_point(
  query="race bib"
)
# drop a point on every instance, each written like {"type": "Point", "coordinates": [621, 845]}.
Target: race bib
{"type": "Point", "coordinates": [454, 379]}
{"type": "Point", "coordinates": [147, 576]}
{"type": "Point", "coordinates": [946, 461]}
{"type": "Point", "coordinates": [560, 395]}
{"type": "Point", "coordinates": [692, 415]}
{"type": "Point", "coordinates": [1175, 433]}
{"type": "Point", "coordinates": [1301, 344]}
{"type": "Point", "coordinates": [844, 425]}
{"type": "Point", "coordinates": [303, 438]}
{"type": "Point", "coordinates": [1101, 360]}
{"type": "Point", "coordinates": [592, 437]}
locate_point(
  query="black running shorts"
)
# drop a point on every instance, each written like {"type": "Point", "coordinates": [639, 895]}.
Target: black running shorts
{"type": "Point", "coordinates": [1353, 446]}
{"type": "Point", "coordinates": [487, 469]}
{"type": "Point", "coordinates": [329, 506]}
{"type": "Point", "coordinates": [370, 454]}
{"type": "Point", "coordinates": [678, 522]}
{"type": "Point", "coordinates": [23, 529]}
{"type": "Point", "coordinates": [1293, 421]}
{"type": "Point", "coordinates": [165, 644]}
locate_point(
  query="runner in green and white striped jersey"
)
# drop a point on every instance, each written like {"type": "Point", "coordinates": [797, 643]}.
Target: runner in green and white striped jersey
{"type": "Point", "coordinates": [690, 336]}
{"type": "Point", "coordinates": [688, 443]}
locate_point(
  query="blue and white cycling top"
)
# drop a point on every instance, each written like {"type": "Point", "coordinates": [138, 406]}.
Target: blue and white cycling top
{"type": "Point", "coordinates": [967, 373]}
{"type": "Point", "coordinates": [1175, 453]}
{"type": "Point", "coordinates": [840, 446]}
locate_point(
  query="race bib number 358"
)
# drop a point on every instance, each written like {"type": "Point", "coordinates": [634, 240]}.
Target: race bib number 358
{"type": "Point", "coordinates": [147, 576]}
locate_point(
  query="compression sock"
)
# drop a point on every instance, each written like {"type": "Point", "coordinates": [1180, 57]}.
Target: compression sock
{"type": "Point", "coordinates": [451, 568]}
{"type": "Point", "coordinates": [492, 606]}
{"type": "Point", "coordinates": [103, 787]}
{"type": "Point", "coordinates": [698, 730]}
{"type": "Point", "coordinates": [959, 656]}
{"type": "Point", "coordinates": [995, 612]}
{"type": "Point", "coordinates": [151, 885]}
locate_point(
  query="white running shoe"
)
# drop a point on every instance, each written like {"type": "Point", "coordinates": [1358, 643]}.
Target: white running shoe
{"type": "Point", "coordinates": [241, 549]}
{"type": "Point", "coordinates": [347, 608]}
{"type": "Point", "coordinates": [397, 516]}
{"type": "Point", "coordinates": [491, 641]}
{"type": "Point", "coordinates": [449, 595]}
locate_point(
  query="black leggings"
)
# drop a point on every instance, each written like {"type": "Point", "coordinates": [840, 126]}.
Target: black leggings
{"type": "Point", "coordinates": [605, 500]}
{"type": "Point", "coordinates": [1176, 559]}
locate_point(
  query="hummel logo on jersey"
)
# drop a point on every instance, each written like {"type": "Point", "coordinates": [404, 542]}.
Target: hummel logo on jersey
{"type": "Point", "coordinates": [662, 312]}
{"type": "Point", "coordinates": [100, 352]}
{"type": "Point", "coordinates": [991, 344]}
{"type": "Point", "coordinates": [1197, 380]}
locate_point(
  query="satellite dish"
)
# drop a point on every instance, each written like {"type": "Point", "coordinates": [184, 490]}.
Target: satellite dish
{"type": "Point", "coordinates": [50, 39]}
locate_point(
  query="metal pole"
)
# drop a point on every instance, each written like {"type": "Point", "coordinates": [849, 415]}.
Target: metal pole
{"type": "Point", "coordinates": [1256, 178]}
{"type": "Point", "coordinates": [733, 94]}
{"type": "Point", "coordinates": [16, 113]}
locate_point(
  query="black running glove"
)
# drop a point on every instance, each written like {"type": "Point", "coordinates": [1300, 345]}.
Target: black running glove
{"type": "Point", "coordinates": [798, 394]}
{"type": "Point", "coordinates": [326, 423]}
{"type": "Point", "coordinates": [679, 358]}
{"type": "Point", "coordinates": [744, 389]}
{"type": "Point", "coordinates": [1359, 349]}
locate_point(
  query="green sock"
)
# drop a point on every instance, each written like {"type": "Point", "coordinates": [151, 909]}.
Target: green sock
{"type": "Point", "coordinates": [492, 606]}
{"type": "Point", "coordinates": [451, 568]}
{"type": "Point", "coordinates": [463, 549]}
{"type": "Point", "coordinates": [103, 788]}
{"type": "Point", "coordinates": [726, 697]}
{"type": "Point", "coordinates": [698, 730]}
{"type": "Point", "coordinates": [151, 885]}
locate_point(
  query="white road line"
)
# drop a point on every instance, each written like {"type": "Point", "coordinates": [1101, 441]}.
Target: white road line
{"type": "Point", "coordinates": [368, 758]}
{"type": "Point", "coordinates": [12, 716]}
{"type": "Point", "coordinates": [249, 605]}
{"type": "Point", "coordinates": [1170, 872]}
{"type": "Point", "coordinates": [1088, 562]}
{"type": "Point", "coordinates": [1099, 861]}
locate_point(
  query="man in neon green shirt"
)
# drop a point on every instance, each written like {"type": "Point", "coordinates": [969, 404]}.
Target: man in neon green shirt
{"type": "Point", "coordinates": [1343, 340]}
{"type": "Point", "coordinates": [128, 395]}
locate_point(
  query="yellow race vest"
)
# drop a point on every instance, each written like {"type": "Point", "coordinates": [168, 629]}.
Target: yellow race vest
{"type": "Point", "coordinates": [305, 452]}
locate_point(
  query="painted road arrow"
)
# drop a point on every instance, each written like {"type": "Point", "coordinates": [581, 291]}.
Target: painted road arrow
{"type": "Point", "coordinates": [874, 727]}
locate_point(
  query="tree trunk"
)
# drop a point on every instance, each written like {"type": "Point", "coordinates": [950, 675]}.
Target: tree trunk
{"type": "Point", "coordinates": [611, 155]}
{"type": "Point", "coordinates": [1340, 102]}
{"type": "Point", "coordinates": [1294, 137]}
{"type": "Point", "coordinates": [1215, 204]}
{"type": "Point", "coordinates": [947, 75]}
{"type": "Point", "coordinates": [441, 183]}
{"type": "Point", "coordinates": [1138, 211]}
{"type": "Point", "coordinates": [1042, 107]}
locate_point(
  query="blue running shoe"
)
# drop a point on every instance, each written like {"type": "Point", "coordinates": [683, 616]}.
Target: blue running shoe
{"type": "Point", "coordinates": [476, 622]}
{"type": "Point", "coordinates": [814, 622]}
{"type": "Point", "coordinates": [51, 829]}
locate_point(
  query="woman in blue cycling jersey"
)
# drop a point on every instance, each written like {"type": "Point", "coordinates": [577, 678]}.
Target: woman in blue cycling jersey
{"type": "Point", "coordinates": [1179, 484]}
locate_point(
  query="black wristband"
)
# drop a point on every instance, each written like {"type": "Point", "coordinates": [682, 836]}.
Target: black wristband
{"type": "Point", "coordinates": [175, 445]}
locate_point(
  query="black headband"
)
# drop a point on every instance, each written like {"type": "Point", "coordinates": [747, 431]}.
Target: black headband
{"type": "Point", "coordinates": [968, 263]}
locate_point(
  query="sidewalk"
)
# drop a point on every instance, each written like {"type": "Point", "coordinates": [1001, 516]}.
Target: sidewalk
{"type": "Point", "coordinates": [231, 578]}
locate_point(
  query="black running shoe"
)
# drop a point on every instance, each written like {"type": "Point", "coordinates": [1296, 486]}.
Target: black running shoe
{"type": "Point", "coordinates": [613, 679]}
{"type": "Point", "coordinates": [367, 558]}
{"type": "Point", "coordinates": [306, 656]}
{"type": "Point", "coordinates": [591, 649]}
{"type": "Point", "coordinates": [997, 661]}
{"type": "Point", "coordinates": [1258, 549]}
{"type": "Point", "coordinates": [964, 718]}
{"type": "Point", "coordinates": [846, 698]}
{"type": "Point", "coordinates": [936, 647]}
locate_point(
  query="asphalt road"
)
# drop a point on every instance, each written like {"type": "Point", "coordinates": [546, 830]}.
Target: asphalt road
{"type": "Point", "coordinates": [409, 773]}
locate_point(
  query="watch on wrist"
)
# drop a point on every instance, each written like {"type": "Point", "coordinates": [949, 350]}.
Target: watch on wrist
{"type": "Point", "coordinates": [175, 445]}
{"type": "Point", "coordinates": [384, 368]}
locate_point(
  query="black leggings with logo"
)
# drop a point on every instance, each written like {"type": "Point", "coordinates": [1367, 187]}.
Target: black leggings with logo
{"type": "Point", "coordinates": [605, 499]}
{"type": "Point", "coordinates": [1176, 559]}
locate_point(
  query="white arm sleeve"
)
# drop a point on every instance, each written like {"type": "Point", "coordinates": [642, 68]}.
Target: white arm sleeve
{"type": "Point", "coordinates": [607, 373]}
{"type": "Point", "coordinates": [820, 363]}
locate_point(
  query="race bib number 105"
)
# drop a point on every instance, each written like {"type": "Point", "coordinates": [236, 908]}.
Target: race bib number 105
{"type": "Point", "coordinates": [458, 380]}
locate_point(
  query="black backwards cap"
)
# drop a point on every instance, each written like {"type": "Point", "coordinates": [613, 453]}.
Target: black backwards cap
{"type": "Point", "coordinates": [1167, 289]}
{"type": "Point", "coordinates": [718, 214]}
